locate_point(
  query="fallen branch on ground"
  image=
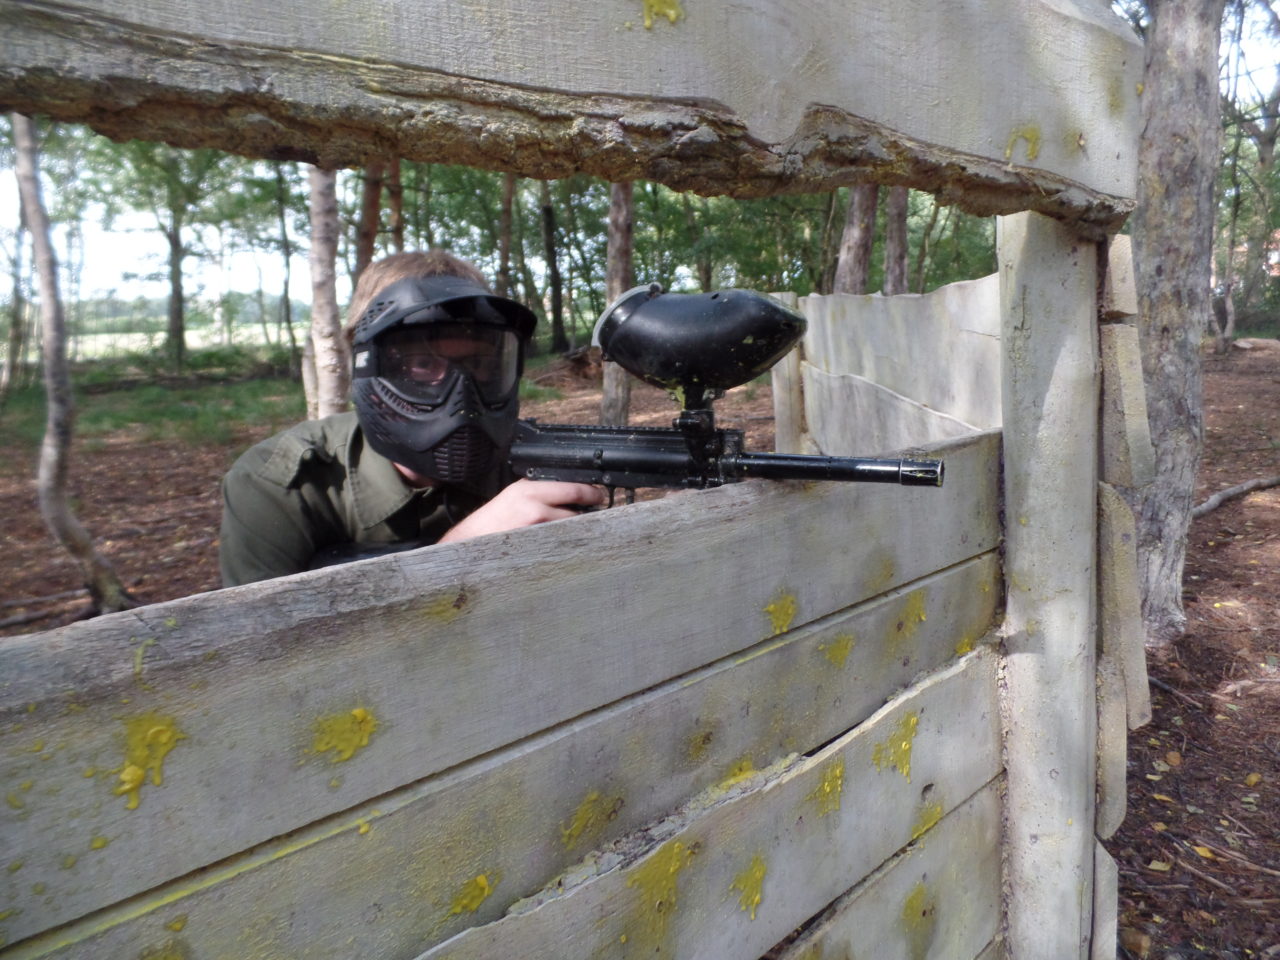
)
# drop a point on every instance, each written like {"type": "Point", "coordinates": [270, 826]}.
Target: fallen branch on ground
{"type": "Point", "coordinates": [1218, 499]}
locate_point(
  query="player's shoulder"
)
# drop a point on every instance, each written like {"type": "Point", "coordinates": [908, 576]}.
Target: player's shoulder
{"type": "Point", "coordinates": [286, 457]}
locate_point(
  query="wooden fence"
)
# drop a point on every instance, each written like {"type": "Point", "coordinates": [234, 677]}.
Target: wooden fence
{"type": "Point", "coordinates": [815, 720]}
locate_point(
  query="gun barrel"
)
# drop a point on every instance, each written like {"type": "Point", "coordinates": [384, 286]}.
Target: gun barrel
{"type": "Point", "coordinates": [783, 466]}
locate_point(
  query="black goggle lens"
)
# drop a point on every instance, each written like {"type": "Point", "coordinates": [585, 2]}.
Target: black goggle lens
{"type": "Point", "coordinates": [420, 361]}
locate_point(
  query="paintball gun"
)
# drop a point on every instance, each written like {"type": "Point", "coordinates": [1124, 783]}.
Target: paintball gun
{"type": "Point", "coordinates": [696, 346]}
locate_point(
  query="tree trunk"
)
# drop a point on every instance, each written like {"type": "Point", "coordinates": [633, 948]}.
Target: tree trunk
{"type": "Point", "coordinates": [503, 285]}
{"type": "Point", "coordinates": [370, 218]}
{"type": "Point", "coordinates": [17, 317]}
{"type": "Point", "coordinates": [176, 335]}
{"type": "Point", "coordinates": [926, 240]}
{"type": "Point", "coordinates": [615, 404]}
{"type": "Point", "coordinates": [830, 245]}
{"type": "Point", "coordinates": [895, 242]}
{"type": "Point", "coordinates": [105, 589]}
{"type": "Point", "coordinates": [395, 206]}
{"type": "Point", "coordinates": [559, 342]}
{"type": "Point", "coordinates": [855, 245]}
{"type": "Point", "coordinates": [286, 251]}
{"type": "Point", "coordinates": [332, 366]}
{"type": "Point", "coordinates": [1172, 242]}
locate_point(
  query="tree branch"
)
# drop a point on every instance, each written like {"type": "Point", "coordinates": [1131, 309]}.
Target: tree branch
{"type": "Point", "coordinates": [1231, 493]}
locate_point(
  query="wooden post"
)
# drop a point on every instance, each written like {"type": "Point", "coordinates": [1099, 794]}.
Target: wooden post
{"type": "Point", "coordinates": [1048, 296]}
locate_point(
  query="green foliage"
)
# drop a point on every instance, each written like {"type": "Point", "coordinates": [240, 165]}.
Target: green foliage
{"type": "Point", "coordinates": [534, 393]}
{"type": "Point", "coordinates": [197, 413]}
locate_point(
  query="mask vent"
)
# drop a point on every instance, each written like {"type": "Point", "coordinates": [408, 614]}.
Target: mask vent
{"type": "Point", "coordinates": [464, 455]}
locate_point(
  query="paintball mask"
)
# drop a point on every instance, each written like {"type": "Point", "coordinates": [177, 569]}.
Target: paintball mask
{"type": "Point", "coordinates": [437, 361]}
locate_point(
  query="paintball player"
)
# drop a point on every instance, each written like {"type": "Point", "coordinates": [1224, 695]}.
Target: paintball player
{"type": "Point", "coordinates": [437, 359]}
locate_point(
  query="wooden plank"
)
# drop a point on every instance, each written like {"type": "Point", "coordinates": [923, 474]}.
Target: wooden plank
{"type": "Point", "coordinates": [525, 815]}
{"type": "Point", "coordinates": [1122, 633]}
{"type": "Point", "coordinates": [733, 873]}
{"type": "Point", "coordinates": [749, 99]}
{"type": "Point", "coordinates": [252, 705]}
{"type": "Point", "coordinates": [1048, 281]}
{"type": "Point", "coordinates": [940, 898]}
{"type": "Point", "coordinates": [941, 350]}
{"type": "Point", "coordinates": [851, 416]}
{"type": "Point", "coordinates": [788, 394]}
{"type": "Point", "coordinates": [1128, 457]}
{"type": "Point", "coordinates": [1106, 900]}
{"type": "Point", "coordinates": [1113, 742]}
{"type": "Point", "coordinates": [1120, 288]}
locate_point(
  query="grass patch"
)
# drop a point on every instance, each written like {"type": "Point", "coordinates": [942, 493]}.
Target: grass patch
{"type": "Point", "coordinates": [197, 414]}
{"type": "Point", "coordinates": [194, 412]}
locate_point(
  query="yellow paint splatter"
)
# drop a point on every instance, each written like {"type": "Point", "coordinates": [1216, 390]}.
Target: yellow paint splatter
{"type": "Point", "coordinates": [896, 751]}
{"type": "Point", "coordinates": [69, 861]}
{"type": "Point", "coordinates": [656, 881]}
{"type": "Point", "coordinates": [177, 923]}
{"type": "Point", "coordinates": [1031, 134]}
{"type": "Point", "coordinates": [912, 614]}
{"type": "Point", "coordinates": [750, 882]}
{"type": "Point", "coordinates": [698, 744]}
{"type": "Point", "coordinates": [589, 820]}
{"type": "Point", "coordinates": [742, 769]}
{"type": "Point", "coordinates": [38, 889]}
{"type": "Point", "coordinates": [919, 921]}
{"type": "Point", "coordinates": [15, 866]}
{"type": "Point", "coordinates": [826, 795]}
{"type": "Point", "coordinates": [148, 740]}
{"type": "Point", "coordinates": [90, 773]}
{"type": "Point", "coordinates": [838, 650]}
{"type": "Point", "coordinates": [99, 843]}
{"type": "Point", "coordinates": [447, 607]}
{"type": "Point", "coordinates": [5, 915]}
{"type": "Point", "coordinates": [139, 655]}
{"type": "Point", "coordinates": [781, 612]}
{"type": "Point", "coordinates": [169, 950]}
{"type": "Point", "coordinates": [964, 645]}
{"type": "Point", "coordinates": [473, 893]}
{"type": "Point", "coordinates": [670, 9]}
{"type": "Point", "coordinates": [14, 801]}
{"type": "Point", "coordinates": [930, 814]}
{"type": "Point", "coordinates": [344, 733]}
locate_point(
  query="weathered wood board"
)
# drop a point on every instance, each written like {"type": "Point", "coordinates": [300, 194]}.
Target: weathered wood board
{"type": "Point", "coordinates": [528, 813]}
{"type": "Point", "coordinates": [937, 900]}
{"type": "Point", "coordinates": [735, 871]}
{"type": "Point", "coordinates": [1048, 295]}
{"type": "Point", "coordinates": [429, 658]}
{"type": "Point", "coordinates": [1122, 635]}
{"type": "Point", "coordinates": [750, 99]}
{"type": "Point", "coordinates": [851, 416]}
{"type": "Point", "coordinates": [1128, 458]}
{"type": "Point", "coordinates": [941, 350]}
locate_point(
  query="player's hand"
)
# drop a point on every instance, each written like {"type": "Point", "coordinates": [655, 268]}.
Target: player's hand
{"type": "Point", "coordinates": [525, 503]}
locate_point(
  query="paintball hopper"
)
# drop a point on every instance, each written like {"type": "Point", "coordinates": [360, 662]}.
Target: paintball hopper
{"type": "Point", "coordinates": [696, 344]}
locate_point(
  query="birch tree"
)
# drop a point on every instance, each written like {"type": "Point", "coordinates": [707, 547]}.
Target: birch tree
{"type": "Point", "coordinates": [106, 591]}
{"type": "Point", "coordinates": [331, 378]}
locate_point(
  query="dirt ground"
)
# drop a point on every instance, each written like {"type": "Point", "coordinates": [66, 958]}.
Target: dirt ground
{"type": "Point", "coordinates": [1199, 853]}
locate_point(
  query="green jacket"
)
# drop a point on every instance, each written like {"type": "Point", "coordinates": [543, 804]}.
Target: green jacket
{"type": "Point", "coordinates": [316, 494]}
